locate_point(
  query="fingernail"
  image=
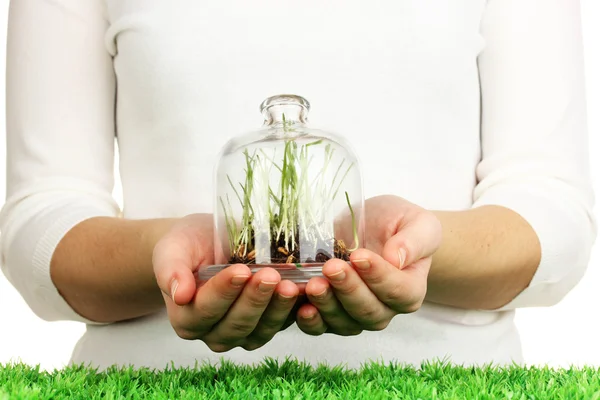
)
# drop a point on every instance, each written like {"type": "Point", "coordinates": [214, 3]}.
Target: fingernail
{"type": "Point", "coordinates": [284, 299]}
{"type": "Point", "coordinates": [363, 265]}
{"type": "Point", "coordinates": [308, 317]}
{"type": "Point", "coordinates": [266, 287]}
{"type": "Point", "coordinates": [401, 257]}
{"type": "Point", "coordinates": [320, 296]}
{"type": "Point", "coordinates": [239, 280]}
{"type": "Point", "coordinates": [174, 286]}
{"type": "Point", "coordinates": [338, 276]}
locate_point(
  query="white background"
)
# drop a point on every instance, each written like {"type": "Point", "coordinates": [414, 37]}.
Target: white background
{"type": "Point", "coordinates": [559, 336]}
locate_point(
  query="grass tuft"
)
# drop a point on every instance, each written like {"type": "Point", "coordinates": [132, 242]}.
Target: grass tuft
{"type": "Point", "coordinates": [291, 379]}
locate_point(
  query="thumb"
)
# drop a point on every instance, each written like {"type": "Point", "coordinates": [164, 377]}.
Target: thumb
{"type": "Point", "coordinates": [415, 239]}
{"type": "Point", "coordinates": [174, 264]}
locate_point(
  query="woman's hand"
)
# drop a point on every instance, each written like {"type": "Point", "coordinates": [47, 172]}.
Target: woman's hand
{"type": "Point", "coordinates": [232, 309]}
{"type": "Point", "coordinates": [386, 278]}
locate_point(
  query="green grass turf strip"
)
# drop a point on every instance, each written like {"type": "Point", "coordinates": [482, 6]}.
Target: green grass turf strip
{"type": "Point", "coordinates": [293, 380]}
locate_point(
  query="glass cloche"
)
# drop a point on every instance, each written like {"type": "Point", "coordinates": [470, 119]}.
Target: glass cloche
{"type": "Point", "coordinates": [287, 196]}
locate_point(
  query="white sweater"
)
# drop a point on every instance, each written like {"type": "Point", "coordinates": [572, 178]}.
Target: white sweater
{"type": "Point", "coordinates": [451, 105]}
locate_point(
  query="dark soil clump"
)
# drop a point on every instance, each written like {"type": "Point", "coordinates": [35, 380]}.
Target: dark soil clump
{"type": "Point", "coordinates": [281, 255]}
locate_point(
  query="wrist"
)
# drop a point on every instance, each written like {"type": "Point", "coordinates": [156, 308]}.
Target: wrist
{"type": "Point", "coordinates": [440, 254]}
{"type": "Point", "coordinates": [153, 231]}
{"type": "Point", "coordinates": [446, 261]}
{"type": "Point", "coordinates": [198, 224]}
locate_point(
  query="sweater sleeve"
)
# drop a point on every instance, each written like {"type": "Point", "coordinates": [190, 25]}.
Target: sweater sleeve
{"type": "Point", "coordinates": [534, 136]}
{"type": "Point", "coordinates": [60, 139]}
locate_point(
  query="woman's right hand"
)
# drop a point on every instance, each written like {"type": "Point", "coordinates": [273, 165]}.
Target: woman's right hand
{"type": "Point", "coordinates": [232, 309]}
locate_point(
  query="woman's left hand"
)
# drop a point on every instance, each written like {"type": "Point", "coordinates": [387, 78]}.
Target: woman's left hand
{"type": "Point", "coordinates": [387, 278]}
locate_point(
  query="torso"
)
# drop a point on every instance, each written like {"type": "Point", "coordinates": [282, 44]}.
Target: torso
{"type": "Point", "coordinates": [397, 79]}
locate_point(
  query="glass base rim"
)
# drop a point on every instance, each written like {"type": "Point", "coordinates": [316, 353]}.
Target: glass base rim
{"type": "Point", "coordinates": [297, 273]}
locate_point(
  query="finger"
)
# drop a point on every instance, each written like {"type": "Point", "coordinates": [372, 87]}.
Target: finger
{"type": "Point", "coordinates": [175, 259]}
{"type": "Point", "coordinates": [356, 297]}
{"type": "Point", "coordinates": [212, 301]}
{"type": "Point", "coordinates": [419, 238]}
{"type": "Point", "coordinates": [300, 300]}
{"type": "Point", "coordinates": [243, 316]}
{"type": "Point", "coordinates": [309, 320]}
{"type": "Point", "coordinates": [275, 316]}
{"type": "Point", "coordinates": [402, 290]}
{"type": "Point", "coordinates": [330, 309]}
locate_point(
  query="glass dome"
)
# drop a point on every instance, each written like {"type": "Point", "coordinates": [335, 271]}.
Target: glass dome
{"type": "Point", "coordinates": [287, 196]}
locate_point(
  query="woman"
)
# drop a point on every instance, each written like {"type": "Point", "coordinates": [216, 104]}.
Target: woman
{"type": "Point", "coordinates": [469, 117]}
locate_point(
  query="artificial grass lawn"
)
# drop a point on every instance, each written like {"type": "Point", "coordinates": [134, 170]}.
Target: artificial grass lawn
{"type": "Point", "coordinates": [289, 379]}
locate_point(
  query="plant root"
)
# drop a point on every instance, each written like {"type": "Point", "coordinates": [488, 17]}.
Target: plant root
{"type": "Point", "coordinates": [280, 254]}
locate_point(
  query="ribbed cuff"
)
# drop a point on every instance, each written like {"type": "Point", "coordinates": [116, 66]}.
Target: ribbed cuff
{"type": "Point", "coordinates": [42, 257]}
{"type": "Point", "coordinates": [29, 262]}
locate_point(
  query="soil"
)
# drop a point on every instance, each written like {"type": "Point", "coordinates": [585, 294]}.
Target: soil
{"type": "Point", "coordinates": [280, 255]}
